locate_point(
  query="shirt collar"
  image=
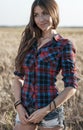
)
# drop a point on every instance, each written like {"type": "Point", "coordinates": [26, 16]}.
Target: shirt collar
{"type": "Point", "coordinates": [57, 37]}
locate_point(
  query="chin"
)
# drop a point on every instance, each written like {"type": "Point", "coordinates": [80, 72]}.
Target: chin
{"type": "Point", "coordinates": [44, 29]}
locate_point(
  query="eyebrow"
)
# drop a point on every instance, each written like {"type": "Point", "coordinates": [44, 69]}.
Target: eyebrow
{"type": "Point", "coordinates": [42, 11]}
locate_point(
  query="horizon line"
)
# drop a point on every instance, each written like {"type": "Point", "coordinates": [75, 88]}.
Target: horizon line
{"type": "Point", "coordinates": [25, 25]}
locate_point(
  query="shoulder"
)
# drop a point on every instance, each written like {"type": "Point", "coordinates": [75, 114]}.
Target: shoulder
{"type": "Point", "coordinates": [64, 43]}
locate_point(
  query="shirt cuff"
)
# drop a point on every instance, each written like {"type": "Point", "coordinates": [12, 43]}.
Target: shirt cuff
{"type": "Point", "coordinates": [21, 75]}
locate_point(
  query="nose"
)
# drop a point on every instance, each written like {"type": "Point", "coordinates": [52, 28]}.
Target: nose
{"type": "Point", "coordinates": [41, 18]}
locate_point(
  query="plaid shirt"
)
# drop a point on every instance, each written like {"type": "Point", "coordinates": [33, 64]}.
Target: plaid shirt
{"type": "Point", "coordinates": [41, 68]}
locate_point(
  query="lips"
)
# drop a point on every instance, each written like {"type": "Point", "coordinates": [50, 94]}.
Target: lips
{"type": "Point", "coordinates": [42, 25]}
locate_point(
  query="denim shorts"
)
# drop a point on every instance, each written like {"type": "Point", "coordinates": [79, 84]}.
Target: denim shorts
{"type": "Point", "coordinates": [51, 120]}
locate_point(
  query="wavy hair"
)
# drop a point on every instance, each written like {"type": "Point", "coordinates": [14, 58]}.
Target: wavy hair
{"type": "Point", "coordinates": [32, 33]}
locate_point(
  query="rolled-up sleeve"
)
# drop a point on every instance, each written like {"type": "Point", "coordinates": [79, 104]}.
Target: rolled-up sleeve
{"type": "Point", "coordinates": [69, 69]}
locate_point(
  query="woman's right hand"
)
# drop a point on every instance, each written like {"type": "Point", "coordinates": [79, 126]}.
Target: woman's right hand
{"type": "Point", "coordinates": [23, 115]}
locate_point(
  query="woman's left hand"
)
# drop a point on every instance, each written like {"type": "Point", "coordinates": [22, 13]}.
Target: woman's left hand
{"type": "Point", "coordinates": [38, 115]}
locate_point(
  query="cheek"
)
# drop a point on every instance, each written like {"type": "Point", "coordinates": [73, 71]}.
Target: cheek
{"type": "Point", "coordinates": [36, 20]}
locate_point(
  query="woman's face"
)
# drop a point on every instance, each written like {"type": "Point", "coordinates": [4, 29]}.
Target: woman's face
{"type": "Point", "coordinates": [42, 19]}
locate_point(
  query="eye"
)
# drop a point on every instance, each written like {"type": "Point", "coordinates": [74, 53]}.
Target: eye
{"type": "Point", "coordinates": [35, 14]}
{"type": "Point", "coordinates": [45, 13]}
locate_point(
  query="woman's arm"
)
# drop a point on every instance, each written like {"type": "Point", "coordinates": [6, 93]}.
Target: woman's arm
{"type": "Point", "coordinates": [63, 97]}
{"type": "Point", "coordinates": [69, 73]}
{"type": "Point", "coordinates": [39, 114]}
{"type": "Point", "coordinates": [17, 84]}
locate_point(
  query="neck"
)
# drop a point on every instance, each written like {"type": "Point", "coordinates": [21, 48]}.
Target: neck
{"type": "Point", "coordinates": [49, 33]}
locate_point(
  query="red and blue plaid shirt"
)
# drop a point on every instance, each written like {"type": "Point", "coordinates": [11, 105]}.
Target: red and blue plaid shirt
{"type": "Point", "coordinates": [41, 68]}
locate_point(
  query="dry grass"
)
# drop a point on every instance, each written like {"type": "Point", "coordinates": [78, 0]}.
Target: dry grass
{"type": "Point", "coordinates": [9, 42]}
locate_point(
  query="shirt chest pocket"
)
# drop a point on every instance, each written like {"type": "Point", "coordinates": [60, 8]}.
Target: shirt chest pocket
{"type": "Point", "coordinates": [49, 56]}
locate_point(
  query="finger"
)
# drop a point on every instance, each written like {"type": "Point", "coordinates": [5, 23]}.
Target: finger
{"type": "Point", "coordinates": [31, 120]}
{"type": "Point", "coordinates": [30, 116]}
{"type": "Point", "coordinates": [26, 115]}
{"type": "Point", "coordinates": [24, 119]}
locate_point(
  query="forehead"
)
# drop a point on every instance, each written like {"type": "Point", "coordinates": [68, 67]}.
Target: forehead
{"type": "Point", "coordinates": [38, 9]}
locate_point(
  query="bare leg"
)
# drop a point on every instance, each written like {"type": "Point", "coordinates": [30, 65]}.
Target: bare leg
{"type": "Point", "coordinates": [20, 126]}
{"type": "Point", "coordinates": [56, 128]}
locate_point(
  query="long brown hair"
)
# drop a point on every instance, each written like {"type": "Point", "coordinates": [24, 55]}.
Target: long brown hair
{"type": "Point", "coordinates": [28, 37]}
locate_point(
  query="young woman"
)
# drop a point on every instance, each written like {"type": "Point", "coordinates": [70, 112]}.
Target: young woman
{"type": "Point", "coordinates": [41, 55]}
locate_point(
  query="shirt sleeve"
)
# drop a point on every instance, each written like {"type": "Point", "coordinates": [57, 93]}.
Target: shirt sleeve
{"type": "Point", "coordinates": [69, 71]}
{"type": "Point", "coordinates": [19, 74]}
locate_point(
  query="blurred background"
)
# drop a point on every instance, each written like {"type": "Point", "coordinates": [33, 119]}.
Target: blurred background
{"type": "Point", "coordinates": [17, 12]}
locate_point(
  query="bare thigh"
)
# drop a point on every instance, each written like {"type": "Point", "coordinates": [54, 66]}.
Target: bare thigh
{"type": "Point", "coordinates": [20, 126]}
{"type": "Point", "coordinates": [56, 128]}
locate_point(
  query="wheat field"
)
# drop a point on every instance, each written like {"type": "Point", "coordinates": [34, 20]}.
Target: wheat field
{"type": "Point", "coordinates": [9, 42]}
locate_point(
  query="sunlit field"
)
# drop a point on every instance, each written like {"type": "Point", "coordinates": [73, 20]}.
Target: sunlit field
{"type": "Point", "coordinates": [9, 42]}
